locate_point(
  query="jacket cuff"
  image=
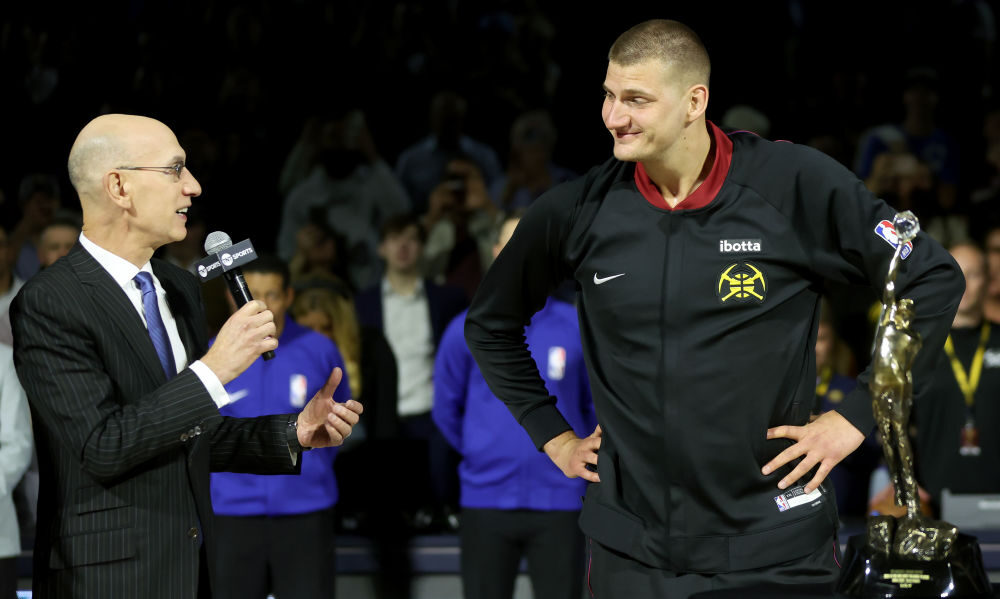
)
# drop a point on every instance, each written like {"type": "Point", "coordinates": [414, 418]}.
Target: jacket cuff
{"type": "Point", "coordinates": [544, 423]}
{"type": "Point", "coordinates": [857, 409]}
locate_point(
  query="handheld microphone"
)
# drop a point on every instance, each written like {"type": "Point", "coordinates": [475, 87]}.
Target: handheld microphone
{"type": "Point", "coordinates": [220, 250]}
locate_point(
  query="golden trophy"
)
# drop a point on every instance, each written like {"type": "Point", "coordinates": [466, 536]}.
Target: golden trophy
{"type": "Point", "coordinates": [913, 555]}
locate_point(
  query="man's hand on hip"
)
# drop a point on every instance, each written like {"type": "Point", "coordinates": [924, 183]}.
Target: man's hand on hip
{"type": "Point", "coordinates": [824, 441]}
{"type": "Point", "coordinates": [572, 454]}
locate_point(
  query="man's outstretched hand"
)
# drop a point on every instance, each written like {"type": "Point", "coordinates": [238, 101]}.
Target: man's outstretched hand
{"type": "Point", "coordinates": [324, 422]}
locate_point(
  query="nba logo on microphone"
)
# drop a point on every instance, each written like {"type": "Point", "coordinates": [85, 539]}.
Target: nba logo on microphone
{"type": "Point", "coordinates": [557, 363]}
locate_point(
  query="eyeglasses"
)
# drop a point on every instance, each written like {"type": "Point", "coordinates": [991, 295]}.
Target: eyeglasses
{"type": "Point", "coordinates": [175, 169]}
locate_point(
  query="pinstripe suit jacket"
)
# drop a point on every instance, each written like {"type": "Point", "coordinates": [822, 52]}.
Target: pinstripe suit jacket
{"type": "Point", "coordinates": [124, 455]}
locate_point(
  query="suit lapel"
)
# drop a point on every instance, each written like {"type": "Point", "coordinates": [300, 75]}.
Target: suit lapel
{"type": "Point", "coordinates": [119, 313]}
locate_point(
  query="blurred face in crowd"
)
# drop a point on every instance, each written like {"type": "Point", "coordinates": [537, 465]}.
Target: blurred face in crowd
{"type": "Point", "coordinates": [40, 208]}
{"type": "Point", "coordinates": [973, 266]}
{"type": "Point", "coordinates": [824, 345]}
{"type": "Point", "coordinates": [269, 287]}
{"type": "Point", "coordinates": [56, 242]}
{"type": "Point", "coordinates": [5, 254]}
{"type": "Point", "coordinates": [993, 262]}
{"type": "Point", "coordinates": [401, 250]}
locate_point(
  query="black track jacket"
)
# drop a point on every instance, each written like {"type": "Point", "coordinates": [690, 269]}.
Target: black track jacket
{"type": "Point", "coordinates": [699, 328]}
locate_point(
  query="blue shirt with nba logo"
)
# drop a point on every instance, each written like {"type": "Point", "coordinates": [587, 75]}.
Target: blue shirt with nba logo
{"type": "Point", "coordinates": [301, 365]}
{"type": "Point", "coordinates": [501, 468]}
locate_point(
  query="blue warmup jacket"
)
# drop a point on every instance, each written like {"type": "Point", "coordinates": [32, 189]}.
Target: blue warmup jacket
{"type": "Point", "coordinates": [501, 468]}
{"type": "Point", "coordinates": [301, 364]}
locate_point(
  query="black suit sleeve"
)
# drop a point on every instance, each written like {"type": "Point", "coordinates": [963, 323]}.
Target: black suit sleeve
{"type": "Point", "coordinates": [60, 367]}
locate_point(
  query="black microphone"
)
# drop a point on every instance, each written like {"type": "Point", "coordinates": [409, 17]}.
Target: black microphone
{"type": "Point", "coordinates": [217, 242]}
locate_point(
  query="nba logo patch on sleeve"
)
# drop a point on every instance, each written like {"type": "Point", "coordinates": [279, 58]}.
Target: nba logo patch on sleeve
{"type": "Point", "coordinates": [886, 231]}
{"type": "Point", "coordinates": [297, 390]}
{"type": "Point", "coordinates": [557, 363]}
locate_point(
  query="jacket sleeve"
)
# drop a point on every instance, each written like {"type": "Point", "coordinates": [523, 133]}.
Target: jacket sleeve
{"type": "Point", "coordinates": [516, 286]}
{"type": "Point", "coordinates": [842, 216]}
{"type": "Point", "coordinates": [452, 367]}
{"type": "Point", "coordinates": [68, 387]}
{"type": "Point", "coordinates": [253, 445]}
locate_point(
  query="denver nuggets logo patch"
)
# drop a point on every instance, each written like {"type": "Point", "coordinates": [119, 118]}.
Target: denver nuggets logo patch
{"type": "Point", "coordinates": [741, 282]}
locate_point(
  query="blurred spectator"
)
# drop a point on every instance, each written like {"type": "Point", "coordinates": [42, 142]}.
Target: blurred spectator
{"type": "Point", "coordinates": [991, 245]}
{"type": "Point", "coordinates": [413, 312]}
{"type": "Point", "coordinates": [38, 198]}
{"type": "Point", "coordinates": [15, 455]}
{"type": "Point", "coordinates": [349, 184]}
{"type": "Point", "coordinates": [58, 238]}
{"type": "Point", "coordinates": [530, 170]}
{"type": "Point", "coordinates": [920, 152]}
{"type": "Point", "coordinates": [984, 199]}
{"type": "Point", "coordinates": [460, 227]}
{"type": "Point", "coordinates": [10, 284]}
{"type": "Point", "coordinates": [368, 505]}
{"type": "Point", "coordinates": [746, 118]}
{"type": "Point", "coordinates": [423, 166]}
{"type": "Point", "coordinates": [515, 502]}
{"type": "Point", "coordinates": [835, 370]}
{"type": "Point", "coordinates": [277, 532]}
{"type": "Point", "coordinates": [319, 253]}
{"type": "Point", "coordinates": [958, 417]}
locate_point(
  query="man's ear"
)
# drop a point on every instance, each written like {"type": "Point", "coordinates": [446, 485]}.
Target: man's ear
{"type": "Point", "coordinates": [118, 189]}
{"type": "Point", "coordinates": [698, 101]}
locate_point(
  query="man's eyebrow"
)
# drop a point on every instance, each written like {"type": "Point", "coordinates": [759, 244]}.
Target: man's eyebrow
{"type": "Point", "coordinates": [630, 91]}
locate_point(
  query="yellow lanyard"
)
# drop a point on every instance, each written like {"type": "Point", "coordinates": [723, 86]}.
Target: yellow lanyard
{"type": "Point", "coordinates": [824, 381]}
{"type": "Point", "coordinates": [969, 383]}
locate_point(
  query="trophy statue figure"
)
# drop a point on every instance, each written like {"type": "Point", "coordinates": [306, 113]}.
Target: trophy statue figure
{"type": "Point", "coordinates": [911, 556]}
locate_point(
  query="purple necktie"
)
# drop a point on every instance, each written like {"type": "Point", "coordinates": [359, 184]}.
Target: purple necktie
{"type": "Point", "coordinates": [157, 332]}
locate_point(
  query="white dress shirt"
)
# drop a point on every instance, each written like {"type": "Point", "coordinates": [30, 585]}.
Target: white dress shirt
{"type": "Point", "coordinates": [406, 320]}
{"type": "Point", "coordinates": [124, 272]}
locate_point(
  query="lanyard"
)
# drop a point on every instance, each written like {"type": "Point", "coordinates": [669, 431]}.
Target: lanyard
{"type": "Point", "coordinates": [824, 381]}
{"type": "Point", "coordinates": [969, 383]}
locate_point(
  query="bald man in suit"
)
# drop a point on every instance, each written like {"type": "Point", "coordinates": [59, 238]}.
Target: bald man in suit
{"type": "Point", "coordinates": [111, 347]}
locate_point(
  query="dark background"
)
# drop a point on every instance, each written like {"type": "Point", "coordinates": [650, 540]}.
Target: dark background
{"type": "Point", "coordinates": [237, 81]}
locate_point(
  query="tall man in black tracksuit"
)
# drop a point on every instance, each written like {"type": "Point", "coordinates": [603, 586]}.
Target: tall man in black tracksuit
{"type": "Point", "coordinates": [700, 259]}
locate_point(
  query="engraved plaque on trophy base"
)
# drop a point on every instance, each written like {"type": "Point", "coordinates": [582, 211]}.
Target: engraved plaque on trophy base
{"type": "Point", "coordinates": [871, 575]}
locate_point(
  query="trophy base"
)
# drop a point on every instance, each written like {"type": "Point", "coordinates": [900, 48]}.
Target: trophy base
{"type": "Point", "coordinates": [869, 575]}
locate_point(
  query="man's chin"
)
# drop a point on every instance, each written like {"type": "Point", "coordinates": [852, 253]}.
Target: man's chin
{"type": "Point", "coordinates": [626, 154]}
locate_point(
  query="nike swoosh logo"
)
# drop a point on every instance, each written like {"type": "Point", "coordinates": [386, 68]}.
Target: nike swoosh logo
{"type": "Point", "coordinates": [601, 281]}
{"type": "Point", "coordinates": [238, 395]}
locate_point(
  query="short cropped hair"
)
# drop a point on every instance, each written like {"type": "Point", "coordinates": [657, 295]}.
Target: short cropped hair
{"type": "Point", "coordinates": [671, 42]}
{"type": "Point", "coordinates": [269, 264]}
{"type": "Point", "coordinates": [395, 225]}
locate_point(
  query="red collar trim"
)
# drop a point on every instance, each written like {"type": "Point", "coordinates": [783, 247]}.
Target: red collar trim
{"type": "Point", "coordinates": [722, 148]}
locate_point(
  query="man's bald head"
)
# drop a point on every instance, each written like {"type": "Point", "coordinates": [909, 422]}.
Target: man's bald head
{"type": "Point", "coordinates": [110, 141]}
